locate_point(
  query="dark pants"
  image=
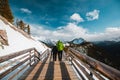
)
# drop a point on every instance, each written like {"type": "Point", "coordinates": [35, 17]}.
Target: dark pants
{"type": "Point", "coordinates": [54, 56]}
{"type": "Point", "coordinates": [60, 55]}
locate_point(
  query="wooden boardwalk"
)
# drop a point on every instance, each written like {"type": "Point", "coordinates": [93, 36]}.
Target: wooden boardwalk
{"type": "Point", "coordinates": [50, 70]}
{"type": "Point", "coordinates": [37, 69]}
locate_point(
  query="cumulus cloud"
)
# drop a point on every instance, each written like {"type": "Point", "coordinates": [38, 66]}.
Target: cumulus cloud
{"type": "Point", "coordinates": [93, 15]}
{"type": "Point", "coordinates": [71, 31]}
{"type": "Point", "coordinates": [111, 33]}
{"type": "Point", "coordinates": [76, 17]}
{"type": "Point", "coordinates": [68, 32]}
{"type": "Point", "coordinates": [25, 10]}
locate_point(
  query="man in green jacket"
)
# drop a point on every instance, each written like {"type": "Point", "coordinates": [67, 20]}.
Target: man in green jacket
{"type": "Point", "coordinates": [60, 48]}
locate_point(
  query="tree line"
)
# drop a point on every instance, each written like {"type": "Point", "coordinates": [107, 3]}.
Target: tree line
{"type": "Point", "coordinates": [6, 12]}
{"type": "Point", "coordinates": [23, 26]}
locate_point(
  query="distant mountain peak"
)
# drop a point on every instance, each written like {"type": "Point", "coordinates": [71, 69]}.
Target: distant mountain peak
{"type": "Point", "coordinates": [117, 39]}
{"type": "Point", "coordinates": [77, 41]}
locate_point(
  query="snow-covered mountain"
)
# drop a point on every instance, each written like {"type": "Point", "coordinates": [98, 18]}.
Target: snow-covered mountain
{"type": "Point", "coordinates": [17, 39]}
{"type": "Point", "coordinates": [77, 41]}
{"type": "Point", "coordinates": [49, 42]}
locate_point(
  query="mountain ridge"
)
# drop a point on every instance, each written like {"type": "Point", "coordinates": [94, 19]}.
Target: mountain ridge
{"type": "Point", "coordinates": [107, 52]}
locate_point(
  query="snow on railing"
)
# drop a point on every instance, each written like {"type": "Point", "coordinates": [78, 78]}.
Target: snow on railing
{"type": "Point", "coordinates": [91, 69]}
{"type": "Point", "coordinates": [13, 64]}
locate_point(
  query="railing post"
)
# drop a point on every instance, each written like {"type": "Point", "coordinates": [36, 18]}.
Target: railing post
{"type": "Point", "coordinates": [34, 55]}
{"type": "Point", "coordinates": [37, 54]}
{"type": "Point", "coordinates": [48, 52]}
{"type": "Point", "coordinates": [30, 58]}
{"type": "Point", "coordinates": [71, 60]}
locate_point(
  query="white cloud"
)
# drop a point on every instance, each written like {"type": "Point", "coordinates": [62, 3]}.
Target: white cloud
{"type": "Point", "coordinates": [76, 17]}
{"type": "Point", "coordinates": [93, 15]}
{"type": "Point", "coordinates": [68, 32]}
{"type": "Point", "coordinates": [109, 34]}
{"type": "Point", "coordinates": [25, 10]}
{"type": "Point", "coordinates": [72, 31]}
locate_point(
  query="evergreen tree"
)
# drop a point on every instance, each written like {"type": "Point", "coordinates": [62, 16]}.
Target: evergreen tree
{"type": "Point", "coordinates": [28, 29]}
{"type": "Point", "coordinates": [21, 25]}
{"type": "Point", "coordinates": [5, 10]}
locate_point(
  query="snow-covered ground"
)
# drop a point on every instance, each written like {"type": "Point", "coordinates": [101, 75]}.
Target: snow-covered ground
{"type": "Point", "coordinates": [17, 41]}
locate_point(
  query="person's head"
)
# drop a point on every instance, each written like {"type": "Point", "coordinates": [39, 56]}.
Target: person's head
{"type": "Point", "coordinates": [59, 41]}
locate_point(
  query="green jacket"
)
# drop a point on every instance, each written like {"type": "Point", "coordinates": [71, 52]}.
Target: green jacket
{"type": "Point", "coordinates": [60, 46]}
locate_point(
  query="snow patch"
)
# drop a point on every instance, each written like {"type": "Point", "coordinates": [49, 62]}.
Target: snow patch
{"type": "Point", "coordinates": [18, 42]}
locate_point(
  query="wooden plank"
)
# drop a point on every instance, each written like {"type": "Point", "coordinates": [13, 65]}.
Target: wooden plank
{"type": "Point", "coordinates": [33, 71]}
{"type": "Point", "coordinates": [44, 70]}
{"type": "Point", "coordinates": [57, 70]}
{"type": "Point", "coordinates": [73, 75]}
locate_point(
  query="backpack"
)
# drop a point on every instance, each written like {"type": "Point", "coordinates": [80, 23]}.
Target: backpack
{"type": "Point", "coordinates": [60, 46]}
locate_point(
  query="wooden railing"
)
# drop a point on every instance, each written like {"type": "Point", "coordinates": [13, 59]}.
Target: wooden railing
{"type": "Point", "coordinates": [19, 60]}
{"type": "Point", "coordinates": [94, 67]}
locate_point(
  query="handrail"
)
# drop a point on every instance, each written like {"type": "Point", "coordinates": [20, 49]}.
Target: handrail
{"type": "Point", "coordinates": [106, 70]}
{"type": "Point", "coordinates": [44, 54]}
{"type": "Point", "coordinates": [10, 56]}
{"type": "Point", "coordinates": [26, 55]}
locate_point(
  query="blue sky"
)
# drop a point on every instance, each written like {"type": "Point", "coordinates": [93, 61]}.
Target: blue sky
{"type": "Point", "coordinates": [69, 19]}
